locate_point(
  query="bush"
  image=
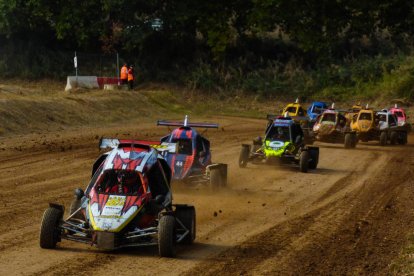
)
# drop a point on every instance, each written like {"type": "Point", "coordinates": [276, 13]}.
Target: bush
{"type": "Point", "coordinates": [263, 73]}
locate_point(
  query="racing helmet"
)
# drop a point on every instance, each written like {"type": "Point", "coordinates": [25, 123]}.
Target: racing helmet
{"type": "Point", "coordinates": [126, 178]}
{"type": "Point", "coordinates": [127, 181]}
{"type": "Point", "coordinates": [121, 177]}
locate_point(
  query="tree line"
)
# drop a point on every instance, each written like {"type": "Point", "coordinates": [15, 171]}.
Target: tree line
{"type": "Point", "coordinates": [162, 35]}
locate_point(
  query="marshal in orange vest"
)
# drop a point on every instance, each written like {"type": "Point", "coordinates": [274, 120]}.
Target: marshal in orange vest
{"type": "Point", "coordinates": [124, 74]}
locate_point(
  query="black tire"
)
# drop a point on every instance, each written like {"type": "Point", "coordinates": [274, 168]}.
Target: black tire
{"type": "Point", "coordinates": [304, 161]}
{"type": "Point", "coordinates": [75, 205]}
{"type": "Point", "coordinates": [216, 178]}
{"type": "Point", "coordinates": [404, 138]}
{"type": "Point", "coordinates": [223, 171]}
{"type": "Point", "coordinates": [166, 236]}
{"type": "Point", "coordinates": [354, 141]}
{"type": "Point", "coordinates": [244, 156]}
{"type": "Point", "coordinates": [187, 216]}
{"type": "Point", "coordinates": [49, 232]}
{"type": "Point", "coordinates": [393, 138]}
{"type": "Point", "coordinates": [314, 155]}
{"type": "Point", "coordinates": [348, 140]}
{"type": "Point", "coordinates": [383, 138]}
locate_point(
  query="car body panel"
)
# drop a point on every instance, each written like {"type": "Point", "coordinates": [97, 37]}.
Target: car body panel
{"type": "Point", "coordinates": [283, 143]}
{"type": "Point", "coordinates": [193, 155]}
{"type": "Point", "coordinates": [315, 109]}
{"type": "Point", "coordinates": [294, 110]}
{"type": "Point", "coordinates": [400, 113]}
{"type": "Point", "coordinates": [330, 126]}
{"type": "Point", "coordinates": [111, 210]}
{"type": "Point", "coordinates": [364, 121]}
{"type": "Point", "coordinates": [187, 160]}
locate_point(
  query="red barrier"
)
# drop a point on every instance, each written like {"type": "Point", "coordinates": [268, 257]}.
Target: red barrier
{"type": "Point", "coordinates": [107, 80]}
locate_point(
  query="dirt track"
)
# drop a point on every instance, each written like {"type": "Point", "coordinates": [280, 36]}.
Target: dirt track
{"type": "Point", "coordinates": [350, 216]}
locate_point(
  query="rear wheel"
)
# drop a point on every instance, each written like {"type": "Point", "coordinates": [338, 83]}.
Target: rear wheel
{"type": "Point", "coordinates": [304, 161]}
{"type": "Point", "coordinates": [49, 231]}
{"type": "Point", "coordinates": [393, 137]}
{"type": "Point", "coordinates": [166, 236]}
{"type": "Point", "coordinates": [354, 140]}
{"type": "Point", "coordinates": [187, 216]}
{"type": "Point", "coordinates": [403, 138]}
{"type": "Point", "coordinates": [383, 138]}
{"type": "Point", "coordinates": [216, 178]}
{"type": "Point", "coordinates": [313, 163]}
{"type": "Point", "coordinates": [223, 171]}
{"type": "Point", "coordinates": [348, 141]}
{"type": "Point", "coordinates": [244, 156]}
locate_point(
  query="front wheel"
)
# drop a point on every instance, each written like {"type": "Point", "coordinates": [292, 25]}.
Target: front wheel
{"type": "Point", "coordinates": [304, 161]}
{"type": "Point", "coordinates": [166, 236]}
{"type": "Point", "coordinates": [49, 231]}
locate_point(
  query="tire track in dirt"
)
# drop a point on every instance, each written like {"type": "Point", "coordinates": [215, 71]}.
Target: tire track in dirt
{"type": "Point", "coordinates": [350, 177]}
{"type": "Point", "coordinates": [77, 264]}
{"type": "Point", "coordinates": [356, 234]}
{"type": "Point", "coordinates": [28, 183]}
{"type": "Point", "coordinates": [367, 238]}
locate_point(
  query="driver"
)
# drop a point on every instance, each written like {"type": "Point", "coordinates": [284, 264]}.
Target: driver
{"type": "Point", "coordinates": [279, 134]}
{"type": "Point", "coordinates": [184, 147]}
{"type": "Point", "coordinates": [124, 185]}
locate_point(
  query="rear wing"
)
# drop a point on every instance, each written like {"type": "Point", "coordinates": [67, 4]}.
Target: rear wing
{"type": "Point", "coordinates": [105, 143]}
{"type": "Point", "coordinates": [180, 124]}
{"type": "Point", "coordinates": [272, 117]}
{"type": "Point", "coordinates": [185, 123]}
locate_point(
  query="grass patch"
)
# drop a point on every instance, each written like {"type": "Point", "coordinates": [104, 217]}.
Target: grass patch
{"type": "Point", "coordinates": [165, 99]}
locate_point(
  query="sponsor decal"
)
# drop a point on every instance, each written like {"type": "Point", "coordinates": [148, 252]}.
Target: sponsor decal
{"type": "Point", "coordinates": [115, 200]}
{"type": "Point", "coordinates": [276, 144]}
{"type": "Point", "coordinates": [113, 206]}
